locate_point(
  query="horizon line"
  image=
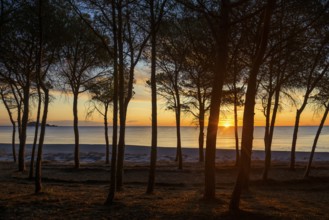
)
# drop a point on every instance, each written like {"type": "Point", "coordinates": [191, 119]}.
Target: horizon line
{"type": "Point", "coordinates": [221, 126]}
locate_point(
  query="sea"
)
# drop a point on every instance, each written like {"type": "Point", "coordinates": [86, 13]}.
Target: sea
{"type": "Point", "coordinates": [141, 136]}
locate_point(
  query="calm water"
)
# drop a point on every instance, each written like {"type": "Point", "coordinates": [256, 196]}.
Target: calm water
{"type": "Point", "coordinates": [167, 137]}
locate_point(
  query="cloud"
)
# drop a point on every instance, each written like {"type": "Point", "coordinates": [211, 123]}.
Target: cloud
{"type": "Point", "coordinates": [132, 121]}
{"type": "Point", "coordinates": [142, 74]}
{"type": "Point", "coordinates": [142, 92]}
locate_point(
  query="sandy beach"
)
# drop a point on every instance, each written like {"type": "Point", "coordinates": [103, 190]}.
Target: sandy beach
{"type": "Point", "coordinates": [96, 153]}
{"type": "Point", "coordinates": [80, 194]}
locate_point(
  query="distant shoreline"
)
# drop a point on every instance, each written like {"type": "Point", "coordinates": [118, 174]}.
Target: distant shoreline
{"type": "Point", "coordinates": [33, 124]}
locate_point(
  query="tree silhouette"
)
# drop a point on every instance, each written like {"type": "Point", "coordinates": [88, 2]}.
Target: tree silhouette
{"type": "Point", "coordinates": [318, 67]}
{"type": "Point", "coordinates": [321, 99]}
{"type": "Point", "coordinates": [17, 56]}
{"type": "Point", "coordinates": [156, 13]}
{"type": "Point", "coordinates": [82, 59]}
{"type": "Point", "coordinates": [248, 117]}
{"type": "Point", "coordinates": [131, 39]}
{"type": "Point", "coordinates": [172, 51]}
{"type": "Point", "coordinates": [198, 72]}
{"type": "Point", "coordinates": [101, 97]}
{"type": "Point", "coordinates": [9, 103]}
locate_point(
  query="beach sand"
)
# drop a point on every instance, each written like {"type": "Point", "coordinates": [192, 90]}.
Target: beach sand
{"type": "Point", "coordinates": [80, 194]}
{"type": "Point", "coordinates": [64, 153]}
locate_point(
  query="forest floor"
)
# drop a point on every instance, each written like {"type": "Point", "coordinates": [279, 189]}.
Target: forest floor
{"type": "Point", "coordinates": [80, 194]}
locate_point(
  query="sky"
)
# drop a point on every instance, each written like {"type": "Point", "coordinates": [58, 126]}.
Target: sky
{"type": "Point", "coordinates": [139, 111]}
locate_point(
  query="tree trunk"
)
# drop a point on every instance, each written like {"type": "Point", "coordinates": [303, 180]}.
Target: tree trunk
{"type": "Point", "coordinates": [236, 131]}
{"type": "Point", "coordinates": [38, 183]}
{"type": "Point", "coordinates": [35, 134]}
{"type": "Point", "coordinates": [121, 154]}
{"type": "Point", "coordinates": [13, 144]}
{"type": "Point", "coordinates": [248, 116]}
{"type": "Point", "coordinates": [151, 179]}
{"type": "Point", "coordinates": [107, 154]}
{"type": "Point", "coordinates": [40, 83]}
{"type": "Point", "coordinates": [19, 119]}
{"type": "Point", "coordinates": [111, 194]}
{"type": "Point", "coordinates": [121, 145]}
{"type": "Point", "coordinates": [123, 120]}
{"type": "Point", "coordinates": [246, 143]}
{"type": "Point", "coordinates": [274, 114]}
{"type": "Point", "coordinates": [216, 93]}
{"type": "Point", "coordinates": [294, 140]}
{"type": "Point", "coordinates": [25, 119]}
{"type": "Point", "coordinates": [76, 131]}
{"type": "Point", "coordinates": [267, 133]}
{"type": "Point", "coordinates": [324, 117]}
{"type": "Point", "coordinates": [201, 135]}
{"type": "Point", "coordinates": [178, 133]}
{"type": "Point", "coordinates": [178, 117]}
{"type": "Point", "coordinates": [268, 153]}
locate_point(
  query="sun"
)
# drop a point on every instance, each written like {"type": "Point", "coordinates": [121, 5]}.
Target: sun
{"type": "Point", "coordinates": [227, 124]}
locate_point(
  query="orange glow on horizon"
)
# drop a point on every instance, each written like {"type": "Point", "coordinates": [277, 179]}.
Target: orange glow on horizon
{"type": "Point", "coordinates": [227, 124]}
{"type": "Point", "coordinates": [139, 114]}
